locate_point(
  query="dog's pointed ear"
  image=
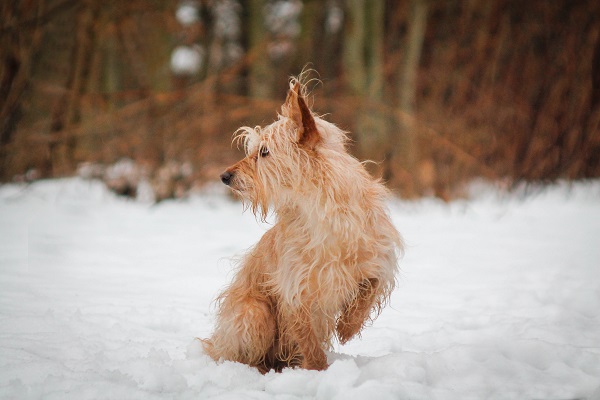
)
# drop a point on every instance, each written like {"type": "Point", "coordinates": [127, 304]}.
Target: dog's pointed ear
{"type": "Point", "coordinates": [297, 110]}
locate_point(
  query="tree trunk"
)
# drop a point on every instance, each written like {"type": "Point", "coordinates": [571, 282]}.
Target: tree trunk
{"type": "Point", "coordinates": [68, 110]}
{"type": "Point", "coordinates": [18, 44]}
{"type": "Point", "coordinates": [406, 148]}
{"type": "Point", "coordinates": [261, 77]}
{"type": "Point", "coordinates": [354, 45]}
{"type": "Point", "coordinates": [372, 122]}
{"type": "Point", "coordinates": [311, 35]}
{"type": "Point", "coordinates": [363, 60]}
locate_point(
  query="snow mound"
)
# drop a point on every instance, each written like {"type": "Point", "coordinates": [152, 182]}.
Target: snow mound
{"type": "Point", "coordinates": [103, 298]}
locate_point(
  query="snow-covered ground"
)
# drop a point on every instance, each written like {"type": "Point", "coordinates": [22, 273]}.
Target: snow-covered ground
{"type": "Point", "coordinates": [102, 298]}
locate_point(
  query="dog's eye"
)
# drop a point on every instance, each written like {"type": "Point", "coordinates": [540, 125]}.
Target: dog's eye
{"type": "Point", "coordinates": [263, 152]}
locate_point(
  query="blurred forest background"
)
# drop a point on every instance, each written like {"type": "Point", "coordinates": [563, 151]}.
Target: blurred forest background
{"type": "Point", "coordinates": [436, 92]}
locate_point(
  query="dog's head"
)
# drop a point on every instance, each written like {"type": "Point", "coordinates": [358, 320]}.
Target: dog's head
{"type": "Point", "coordinates": [283, 160]}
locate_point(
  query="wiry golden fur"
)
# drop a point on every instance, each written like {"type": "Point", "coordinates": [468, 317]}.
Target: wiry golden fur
{"type": "Point", "coordinates": [326, 267]}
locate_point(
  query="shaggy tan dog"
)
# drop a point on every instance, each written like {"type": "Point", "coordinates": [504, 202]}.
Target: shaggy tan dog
{"type": "Point", "coordinates": [326, 267]}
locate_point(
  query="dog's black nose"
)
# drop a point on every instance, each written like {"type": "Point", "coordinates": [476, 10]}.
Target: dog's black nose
{"type": "Point", "coordinates": [226, 177]}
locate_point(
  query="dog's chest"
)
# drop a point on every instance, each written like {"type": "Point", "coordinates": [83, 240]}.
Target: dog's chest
{"type": "Point", "coordinates": [320, 263]}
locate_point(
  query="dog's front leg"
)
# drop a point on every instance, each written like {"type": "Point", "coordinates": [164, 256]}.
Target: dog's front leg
{"type": "Point", "coordinates": [305, 334]}
{"type": "Point", "coordinates": [356, 312]}
{"type": "Point", "coordinates": [245, 329]}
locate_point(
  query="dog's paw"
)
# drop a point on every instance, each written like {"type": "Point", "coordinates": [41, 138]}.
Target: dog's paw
{"type": "Point", "coordinates": [318, 363]}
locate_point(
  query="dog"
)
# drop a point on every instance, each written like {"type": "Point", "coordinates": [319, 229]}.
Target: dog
{"type": "Point", "coordinates": [327, 266]}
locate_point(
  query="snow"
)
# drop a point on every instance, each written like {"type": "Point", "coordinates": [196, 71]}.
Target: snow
{"type": "Point", "coordinates": [187, 13]}
{"type": "Point", "coordinates": [187, 60]}
{"type": "Point", "coordinates": [102, 298]}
